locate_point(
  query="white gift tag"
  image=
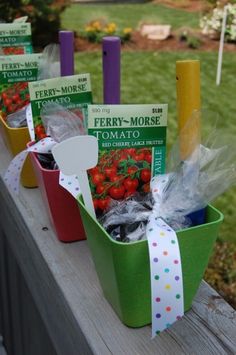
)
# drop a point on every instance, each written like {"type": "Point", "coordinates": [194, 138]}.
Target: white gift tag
{"type": "Point", "coordinates": [69, 163]}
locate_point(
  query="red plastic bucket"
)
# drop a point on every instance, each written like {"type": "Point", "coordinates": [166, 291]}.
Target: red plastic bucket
{"type": "Point", "coordinates": [62, 207]}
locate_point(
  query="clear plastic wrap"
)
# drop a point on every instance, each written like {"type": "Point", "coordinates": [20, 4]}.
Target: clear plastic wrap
{"type": "Point", "coordinates": [126, 220]}
{"type": "Point", "coordinates": [50, 64]}
{"type": "Point", "coordinates": [17, 119]}
{"type": "Point", "coordinates": [61, 123]}
{"type": "Point", "coordinates": [188, 186]}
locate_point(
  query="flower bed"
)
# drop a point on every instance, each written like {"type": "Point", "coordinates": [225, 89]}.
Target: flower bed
{"type": "Point", "coordinates": [211, 24]}
{"type": "Point", "coordinates": [95, 30]}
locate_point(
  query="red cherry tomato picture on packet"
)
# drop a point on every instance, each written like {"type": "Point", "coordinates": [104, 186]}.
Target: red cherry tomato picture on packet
{"type": "Point", "coordinates": [15, 97]}
{"type": "Point", "coordinates": [13, 50]}
{"type": "Point", "coordinates": [120, 174]}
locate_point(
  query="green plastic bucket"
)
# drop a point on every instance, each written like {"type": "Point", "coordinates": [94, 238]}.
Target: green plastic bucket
{"type": "Point", "coordinates": [124, 270]}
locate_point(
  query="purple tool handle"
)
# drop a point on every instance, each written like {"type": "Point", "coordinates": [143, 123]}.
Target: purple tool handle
{"type": "Point", "coordinates": [66, 40]}
{"type": "Point", "coordinates": [111, 70]}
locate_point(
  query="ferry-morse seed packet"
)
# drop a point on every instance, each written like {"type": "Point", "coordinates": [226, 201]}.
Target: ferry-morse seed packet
{"type": "Point", "coordinates": [132, 149]}
{"type": "Point", "coordinates": [15, 73]}
{"type": "Point", "coordinates": [15, 38]}
{"type": "Point", "coordinates": [73, 92]}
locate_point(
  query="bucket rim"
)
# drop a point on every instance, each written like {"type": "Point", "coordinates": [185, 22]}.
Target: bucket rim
{"type": "Point", "coordinates": [34, 155]}
{"type": "Point", "coordinates": [182, 231]}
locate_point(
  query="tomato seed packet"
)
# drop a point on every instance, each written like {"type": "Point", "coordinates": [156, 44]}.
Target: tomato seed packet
{"type": "Point", "coordinates": [132, 148]}
{"type": "Point", "coordinates": [15, 38]}
{"type": "Point", "coordinates": [15, 73]}
{"type": "Point", "coordinates": [73, 92]}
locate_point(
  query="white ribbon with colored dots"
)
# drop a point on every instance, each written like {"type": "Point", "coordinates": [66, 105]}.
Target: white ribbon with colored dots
{"type": "Point", "coordinates": [70, 183]}
{"type": "Point", "coordinates": [44, 146]}
{"type": "Point", "coordinates": [30, 123]}
{"type": "Point", "coordinates": [165, 266]}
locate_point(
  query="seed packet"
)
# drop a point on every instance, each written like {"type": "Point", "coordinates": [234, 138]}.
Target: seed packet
{"type": "Point", "coordinates": [15, 73]}
{"type": "Point", "coordinates": [132, 147]}
{"type": "Point", "coordinates": [73, 92]}
{"type": "Point", "coordinates": [15, 38]}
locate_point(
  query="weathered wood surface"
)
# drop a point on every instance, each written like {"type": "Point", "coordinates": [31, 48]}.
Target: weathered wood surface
{"type": "Point", "coordinates": [2, 349]}
{"type": "Point", "coordinates": [20, 321]}
{"type": "Point", "coordinates": [63, 283]}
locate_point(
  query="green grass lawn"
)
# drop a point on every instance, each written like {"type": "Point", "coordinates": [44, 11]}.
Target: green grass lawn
{"type": "Point", "coordinates": [149, 77]}
{"type": "Point", "coordinates": [77, 16]}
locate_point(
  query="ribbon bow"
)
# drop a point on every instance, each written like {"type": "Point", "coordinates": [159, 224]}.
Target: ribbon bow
{"type": "Point", "coordinates": [44, 146]}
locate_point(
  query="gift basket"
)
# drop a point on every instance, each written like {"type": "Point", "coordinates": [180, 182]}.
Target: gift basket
{"type": "Point", "coordinates": [15, 70]}
{"type": "Point", "coordinates": [59, 124]}
{"type": "Point", "coordinates": [15, 74]}
{"type": "Point", "coordinates": [136, 235]}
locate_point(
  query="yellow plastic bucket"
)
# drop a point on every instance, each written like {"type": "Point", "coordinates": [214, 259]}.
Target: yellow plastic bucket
{"type": "Point", "coordinates": [16, 140]}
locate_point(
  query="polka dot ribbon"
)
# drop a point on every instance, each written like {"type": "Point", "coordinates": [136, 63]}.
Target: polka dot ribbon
{"type": "Point", "coordinates": [44, 146]}
{"type": "Point", "coordinates": [165, 266]}
{"type": "Point", "coordinates": [70, 183]}
{"type": "Point", "coordinates": [30, 122]}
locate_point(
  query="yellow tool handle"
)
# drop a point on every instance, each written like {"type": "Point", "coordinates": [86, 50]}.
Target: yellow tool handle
{"type": "Point", "coordinates": [188, 100]}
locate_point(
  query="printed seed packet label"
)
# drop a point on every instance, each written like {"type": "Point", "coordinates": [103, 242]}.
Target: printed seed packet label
{"type": "Point", "coordinates": [73, 92]}
{"type": "Point", "coordinates": [17, 68]}
{"type": "Point", "coordinates": [132, 149]}
{"type": "Point", "coordinates": [15, 73]}
{"type": "Point", "coordinates": [15, 38]}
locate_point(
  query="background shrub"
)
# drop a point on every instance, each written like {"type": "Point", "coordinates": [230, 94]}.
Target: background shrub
{"type": "Point", "coordinates": [44, 16]}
